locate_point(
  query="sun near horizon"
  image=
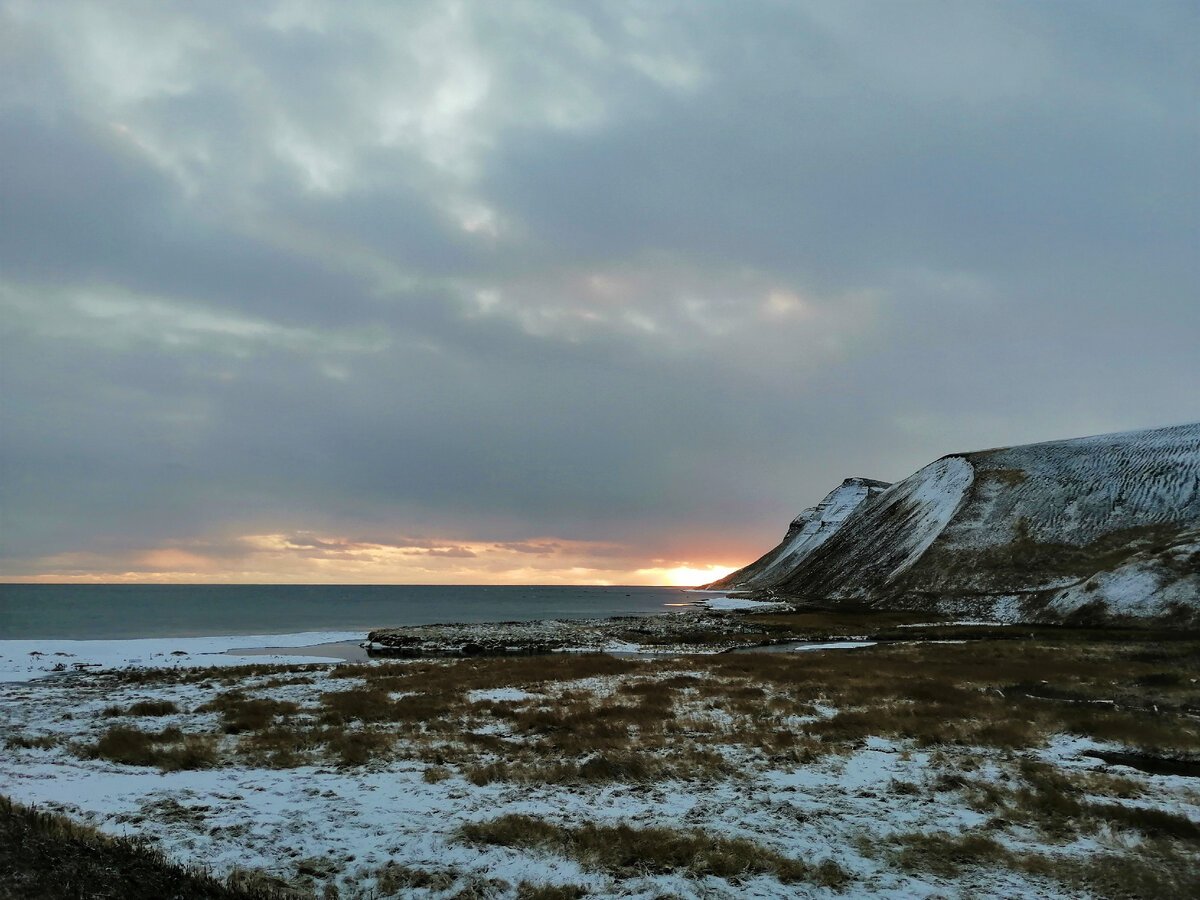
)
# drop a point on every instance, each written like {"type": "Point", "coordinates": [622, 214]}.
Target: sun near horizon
{"type": "Point", "coordinates": [688, 576]}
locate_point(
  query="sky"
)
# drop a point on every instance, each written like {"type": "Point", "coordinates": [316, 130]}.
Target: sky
{"type": "Point", "coordinates": [547, 292]}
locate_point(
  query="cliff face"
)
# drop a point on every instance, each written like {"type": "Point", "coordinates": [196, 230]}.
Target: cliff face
{"type": "Point", "coordinates": [1106, 526]}
{"type": "Point", "coordinates": [808, 531]}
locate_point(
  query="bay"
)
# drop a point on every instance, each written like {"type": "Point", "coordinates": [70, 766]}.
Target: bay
{"type": "Point", "coordinates": [127, 611]}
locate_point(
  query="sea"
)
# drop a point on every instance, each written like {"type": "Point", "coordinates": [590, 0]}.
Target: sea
{"type": "Point", "coordinates": [129, 611]}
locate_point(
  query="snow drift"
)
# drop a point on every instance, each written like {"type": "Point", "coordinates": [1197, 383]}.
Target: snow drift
{"type": "Point", "coordinates": [1089, 529]}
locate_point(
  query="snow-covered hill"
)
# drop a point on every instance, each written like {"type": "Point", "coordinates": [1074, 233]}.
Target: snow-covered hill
{"type": "Point", "coordinates": [808, 531]}
{"type": "Point", "coordinates": [1083, 529]}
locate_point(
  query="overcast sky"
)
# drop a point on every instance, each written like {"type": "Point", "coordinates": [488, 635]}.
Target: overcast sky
{"type": "Point", "coordinates": [565, 292]}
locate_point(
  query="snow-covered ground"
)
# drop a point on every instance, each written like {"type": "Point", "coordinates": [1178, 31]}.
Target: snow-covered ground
{"type": "Point", "coordinates": [345, 825]}
{"type": "Point", "coordinates": [28, 659]}
{"type": "Point", "coordinates": [728, 604]}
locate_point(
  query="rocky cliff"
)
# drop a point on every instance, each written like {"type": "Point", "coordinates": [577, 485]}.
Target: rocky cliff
{"type": "Point", "coordinates": [1089, 529]}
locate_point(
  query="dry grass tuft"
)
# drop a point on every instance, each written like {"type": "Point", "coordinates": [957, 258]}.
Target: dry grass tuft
{"type": "Point", "coordinates": [23, 742]}
{"type": "Point", "coordinates": [170, 749]}
{"type": "Point", "coordinates": [240, 713]}
{"type": "Point", "coordinates": [142, 708]}
{"type": "Point", "coordinates": [1153, 872]}
{"type": "Point", "coordinates": [623, 851]}
{"type": "Point", "coordinates": [281, 747]}
{"type": "Point", "coordinates": [356, 748]}
{"type": "Point", "coordinates": [944, 854]}
{"type": "Point", "coordinates": [529, 891]}
{"type": "Point", "coordinates": [394, 878]}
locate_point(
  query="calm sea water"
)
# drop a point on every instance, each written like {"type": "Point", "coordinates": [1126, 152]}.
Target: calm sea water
{"type": "Point", "coordinates": [119, 611]}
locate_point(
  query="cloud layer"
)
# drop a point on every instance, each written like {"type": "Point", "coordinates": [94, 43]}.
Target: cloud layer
{"type": "Point", "coordinates": [643, 277]}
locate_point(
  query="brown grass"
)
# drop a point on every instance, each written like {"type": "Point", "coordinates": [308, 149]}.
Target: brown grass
{"type": "Point", "coordinates": [623, 851]}
{"type": "Point", "coordinates": [660, 715]}
{"type": "Point", "coordinates": [944, 854]}
{"type": "Point", "coordinates": [1153, 872]}
{"type": "Point", "coordinates": [394, 878]}
{"type": "Point", "coordinates": [142, 708]}
{"type": "Point", "coordinates": [169, 749]}
{"type": "Point", "coordinates": [240, 713]}
{"type": "Point", "coordinates": [281, 747]}
{"type": "Point", "coordinates": [356, 748]}
{"type": "Point", "coordinates": [23, 742]}
{"type": "Point", "coordinates": [529, 891]}
{"type": "Point", "coordinates": [44, 856]}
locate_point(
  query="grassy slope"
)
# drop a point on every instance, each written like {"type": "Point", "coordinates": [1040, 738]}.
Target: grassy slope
{"type": "Point", "coordinates": [44, 856]}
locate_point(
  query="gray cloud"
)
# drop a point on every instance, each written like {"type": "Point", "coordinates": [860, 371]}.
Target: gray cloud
{"type": "Point", "coordinates": [644, 277]}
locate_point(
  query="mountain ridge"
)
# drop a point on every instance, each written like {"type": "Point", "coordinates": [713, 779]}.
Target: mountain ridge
{"type": "Point", "coordinates": [1098, 528]}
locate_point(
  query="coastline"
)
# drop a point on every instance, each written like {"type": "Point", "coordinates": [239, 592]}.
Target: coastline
{"type": "Point", "coordinates": [27, 659]}
{"type": "Point", "coordinates": [24, 659]}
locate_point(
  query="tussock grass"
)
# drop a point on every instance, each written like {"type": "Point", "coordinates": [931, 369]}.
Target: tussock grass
{"type": "Point", "coordinates": [457, 676]}
{"type": "Point", "coordinates": [368, 704]}
{"type": "Point", "coordinates": [281, 747]}
{"type": "Point", "coordinates": [944, 854]}
{"type": "Point", "coordinates": [623, 851]}
{"type": "Point", "coordinates": [394, 878]}
{"type": "Point", "coordinates": [654, 716]}
{"type": "Point", "coordinates": [1058, 803]}
{"type": "Point", "coordinates": [528, 891]}
{"type": "Point", "coordinates": [356, 748]}
{"type": "Point", "coordinates": [44, 856]}
{"type": "Point", "coordinates": [240, 713]}
{"type": "Point", "coordinates": [629, 766]}
{"type": "Point", "coordinates": [962, 694]}
{"type": "Point", "coordinates": [142, 708]}
{"type": "Point", "coordinates": [24, 742]}
{"type": "Point", "coordinates": [169, 749]}
{"type": "Point", "coordinates": [1153, 823]}
{"type": "Point", "coordinates": [226, 675]}
{"type": "Point", "coordinates": [1156, 870]}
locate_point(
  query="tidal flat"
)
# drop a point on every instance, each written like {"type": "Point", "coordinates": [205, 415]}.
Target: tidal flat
{"type": "Point", "coordinates": [945, 759]}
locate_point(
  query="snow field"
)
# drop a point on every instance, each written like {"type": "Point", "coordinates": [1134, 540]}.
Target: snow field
{"type": "Point", "coordinates": [348, 823]}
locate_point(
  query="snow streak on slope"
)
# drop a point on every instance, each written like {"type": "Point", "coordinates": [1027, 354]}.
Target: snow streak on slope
{"type": "Point", "coordinates": [884, 537]}
{"type": "Point", "coordinates": [808, 531]}
{"type": "Point", "coordinates": [931, 497]}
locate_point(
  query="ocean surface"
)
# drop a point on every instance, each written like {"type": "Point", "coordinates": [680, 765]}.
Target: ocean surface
{"type": "Point", "coordinates": [126, 611]}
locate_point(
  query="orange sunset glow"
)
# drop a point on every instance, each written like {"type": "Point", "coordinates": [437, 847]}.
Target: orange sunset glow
{"type": "Point", "coordinates": [311, 558]}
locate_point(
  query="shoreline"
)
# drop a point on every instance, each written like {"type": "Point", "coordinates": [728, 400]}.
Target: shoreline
{"type": "Point", "coordinates": [28, 659]}
{"type": "Point", "coordinates": [25, 659]}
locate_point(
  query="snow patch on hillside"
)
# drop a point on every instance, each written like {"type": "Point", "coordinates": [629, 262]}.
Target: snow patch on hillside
{"type": "Point", "coordinates": [1143, 586]}
{"type": "Point", "coordinates": [934, 494]}
{"type": "Point", "coordinates": [808, 531]}
{"type": "Point", "coordinates": [1078, 490]}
